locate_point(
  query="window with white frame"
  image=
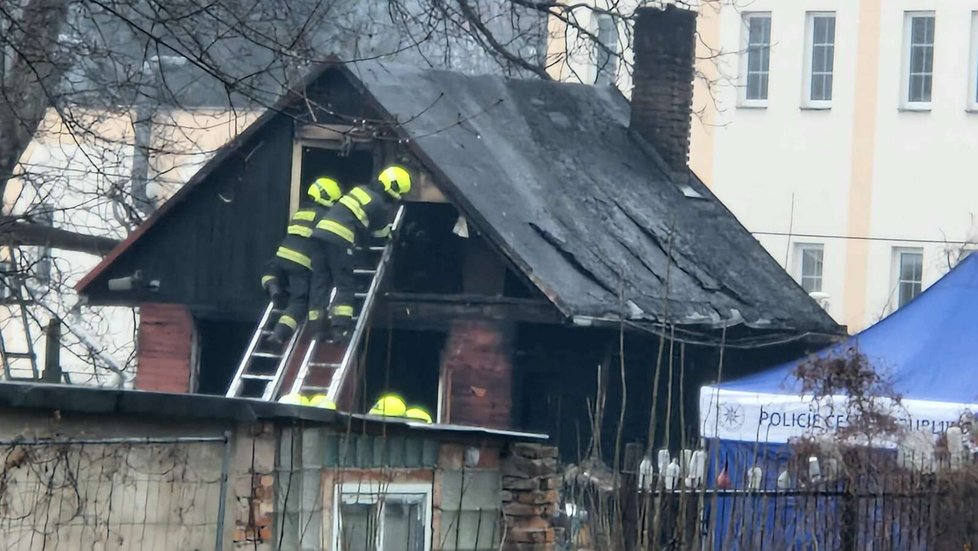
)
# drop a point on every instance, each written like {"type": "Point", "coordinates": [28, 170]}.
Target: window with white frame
{"type": "Point", "coordinates": [909, 266]}
{"type": "Point", "coordinates": [819, 58]}
{"type": "Point", "coordinates": [371, 516]}
{"type": "Point", "coordinates": [918, 82]}
{"type": "Point", "coordinates": [973, 62]}
{"type": "Point", "coordinates": [605, 51]}
{"type": "Point", "coordinates": [757, 57]}
{"type": "Point", "coordinates": [809, 260]}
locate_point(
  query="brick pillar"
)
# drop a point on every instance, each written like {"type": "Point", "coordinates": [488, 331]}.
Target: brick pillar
{"type": "Point", "coordinates": [530, 496]}
{"type": "Point", "coordinates": [662, 96]}
{"type": "Point", "coordinates": [164, 348]}
{"type": "Point", "coordinates": [477, 374]}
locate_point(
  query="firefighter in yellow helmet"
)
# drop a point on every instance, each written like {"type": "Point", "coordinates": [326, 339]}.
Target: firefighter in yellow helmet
{"type": "Point", "coordinates": [365, 212]}
{"type": "Point", "coordinates": [298, 277]}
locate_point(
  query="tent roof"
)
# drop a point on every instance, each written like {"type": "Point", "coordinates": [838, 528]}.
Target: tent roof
{"type": "Point", "coordinates": [927, 350]}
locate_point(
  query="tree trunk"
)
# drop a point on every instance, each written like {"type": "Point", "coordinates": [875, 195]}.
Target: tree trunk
{"type": "Point", "coordinates": [31, 84]}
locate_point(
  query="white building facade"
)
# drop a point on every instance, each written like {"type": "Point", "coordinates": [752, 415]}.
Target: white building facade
{"type": "Point", "coordinates": [844, 135]}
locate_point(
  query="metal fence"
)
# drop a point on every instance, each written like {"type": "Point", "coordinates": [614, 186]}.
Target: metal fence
{"type": "Point", "coordinates": [113, 493]}
{"type": "Point", "coordinates": [887, 511]}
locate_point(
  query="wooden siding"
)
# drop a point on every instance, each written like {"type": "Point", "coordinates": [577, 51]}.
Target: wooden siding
{"type": "Point", "coordinates": [208, 253]}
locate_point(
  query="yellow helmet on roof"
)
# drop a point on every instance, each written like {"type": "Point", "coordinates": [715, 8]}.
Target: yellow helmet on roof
{"type": "Point", "coordinates": [418, 413]}
{"type": "Point", "coordinates": [294, 399]}
{"type": "Point", "coordinates": [390, 405]}
{"type": "Point", "coordinates": [396, 181]}
{"type": "Point", "coordinates": [321, 401]}
{"type": "Point", "coordinates": [325, 191]}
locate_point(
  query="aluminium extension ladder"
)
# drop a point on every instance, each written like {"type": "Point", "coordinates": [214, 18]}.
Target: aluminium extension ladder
{"type": "Point", "coordinates": [337, 372]}
{"type": "Point", "coordinates": [13, 289]}
{"type": "Point", "coordinates": [261, 372]}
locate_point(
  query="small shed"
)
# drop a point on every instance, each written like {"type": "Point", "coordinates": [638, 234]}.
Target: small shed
{"type": "Point", "coordinates": [111, 469]}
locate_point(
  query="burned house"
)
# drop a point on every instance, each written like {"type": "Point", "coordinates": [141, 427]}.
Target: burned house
{"type": "Point", "coordinates": [555, 244]}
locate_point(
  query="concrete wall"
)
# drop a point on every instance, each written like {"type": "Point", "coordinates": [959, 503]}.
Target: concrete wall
{"type": "Point", "coordinates": [118, 495]}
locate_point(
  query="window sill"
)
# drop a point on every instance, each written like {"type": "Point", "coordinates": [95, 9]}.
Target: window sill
{"type": "Point", "coordinates": [816, 107]}
{"type": "Point", "coordinates": [752, 105]}
{"type": "Point", "coordinates": [972, 109]}
{"type": "Point", "coordinates": [915, 108]}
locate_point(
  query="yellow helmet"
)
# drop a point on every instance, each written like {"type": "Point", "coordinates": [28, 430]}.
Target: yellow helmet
{"type": "Point", "coordinates": [321, 401]}
{"type": "Point", "coordinates": [396, 181]}
{"type": "Point", "coordinates": [325, 191]}
{"type": "Point", "coordinates": [418, 413]}
{"type": "Point", "coordinates": [294, 399]}
{"type": "Point", "coordinates": [389, 405]}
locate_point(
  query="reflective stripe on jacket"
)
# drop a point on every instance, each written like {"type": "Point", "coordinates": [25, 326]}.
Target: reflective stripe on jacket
{"type": "Point", "coordinates": [297, 246]}
{"type": "Point", "coordinates": [362, 211]}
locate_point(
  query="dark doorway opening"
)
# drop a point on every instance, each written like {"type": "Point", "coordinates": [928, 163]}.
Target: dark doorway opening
{"type": "Point", "coordinates": [220, 345]}
{"type": "Point", "coordinates": [405, 362]}
{"type": "Point", "coordinates": [351, 170]}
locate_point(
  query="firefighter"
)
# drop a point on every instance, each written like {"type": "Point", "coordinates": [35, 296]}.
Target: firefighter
{"type": "Point", "coordinates": [299, 271]}
{"type": "Point", "coordinates": [365, 212]}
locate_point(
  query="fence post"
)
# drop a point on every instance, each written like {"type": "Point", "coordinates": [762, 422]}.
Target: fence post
{"type": "Point", "coordinates": [223, 500]}
{"type": "Point", "coordinates": [629, 494]}
{"type": "Point", "coordinates": [52, 352]}
{"type": "Point", "coordinates": [850, 520]}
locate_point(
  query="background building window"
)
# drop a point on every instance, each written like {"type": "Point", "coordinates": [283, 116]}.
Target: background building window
{"type": "Point", "coordinates": [605, 51]}
{"type": "Point", "coordinates": [758, 55]}
{"type": "Point", "coordinates": [393, 518]}
{"type": "Point", "coordinates": [810, 267]}
{"type": "Point", "coordinates": [7, 281]}
{"type": "Point", "coordinates": [973, 70]}
{"type": "Point", "coordinates": [821, 56]}
{"type": "Point", "coordinates": [42, 271]}
{"type": "Point", "coordinates": [909, 274]}
{"type": "Point", "coordinates": [920, 57]}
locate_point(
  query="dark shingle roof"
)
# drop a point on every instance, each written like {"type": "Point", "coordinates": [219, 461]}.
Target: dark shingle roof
{"type": "Point", "coordinates": [551, 174]}
{"type": "Point", "coordinates": [583, 206]}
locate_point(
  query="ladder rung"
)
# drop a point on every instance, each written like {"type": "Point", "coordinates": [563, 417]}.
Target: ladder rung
{"type": "Point", "coordinates": [314, 388]}
{"type": "Point", "coordinates": [257, 377]}
{"type": "Point", "coordinates": [359, 295]}
{"type": "Point", "coordinates": [360, 271]}
{"type": "Point", "coordinates": [324, 364]}
{"type": "Point", "coordinates": [20, 355]}
{"type": "Point", "coordinates": [376, 249]}
{"type": "Point", "coordinates": [266, 355]}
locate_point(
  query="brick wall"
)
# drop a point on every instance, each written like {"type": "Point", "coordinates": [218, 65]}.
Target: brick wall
{"type": "Point", "coordinates": [477, 374]}
{"type": "Point", "coordinates": [662, 96]}
{"type": "Point", "coordinates": [164, 348]}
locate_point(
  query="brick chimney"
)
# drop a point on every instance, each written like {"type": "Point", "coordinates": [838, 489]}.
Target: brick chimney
{"type": "Point", "coordinates": [662, 95]}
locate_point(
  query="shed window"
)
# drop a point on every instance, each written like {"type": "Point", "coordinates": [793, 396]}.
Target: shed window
{"type": "Point", "coordinates": [388, 518]}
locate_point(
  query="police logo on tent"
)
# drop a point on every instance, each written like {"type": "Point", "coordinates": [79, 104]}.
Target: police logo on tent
{"type": "Point", "coordinates": [731, 416]}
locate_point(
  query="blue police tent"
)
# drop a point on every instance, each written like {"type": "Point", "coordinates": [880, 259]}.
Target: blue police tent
{"type": "Point", "coordinates": [927, 351]}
